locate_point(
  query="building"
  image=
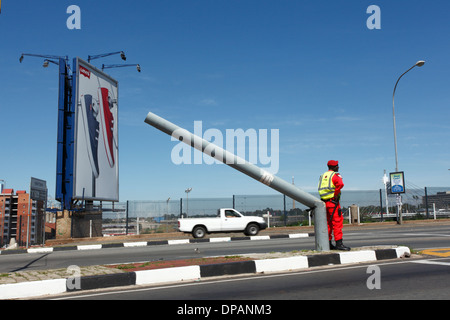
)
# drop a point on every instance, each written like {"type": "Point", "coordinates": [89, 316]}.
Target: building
{"type": "Point", "coordinates": [441, 200]}
{"type": "Point", "coordinates": [21, 218]}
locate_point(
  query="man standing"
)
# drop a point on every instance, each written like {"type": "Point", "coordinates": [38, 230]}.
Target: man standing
{"type": "Point", "coordinates": [330, 186]}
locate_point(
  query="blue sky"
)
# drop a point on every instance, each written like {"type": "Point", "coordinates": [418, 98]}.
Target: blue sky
{"type": "Point", "coordinates": [311, 69]}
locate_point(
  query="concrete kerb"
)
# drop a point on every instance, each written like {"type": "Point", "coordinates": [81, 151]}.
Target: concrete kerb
{"type": "Point", "coordinates": [200, 272]}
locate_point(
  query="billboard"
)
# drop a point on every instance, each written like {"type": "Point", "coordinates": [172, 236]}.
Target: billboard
{"type": "Point", "coordinates": [96, 149]}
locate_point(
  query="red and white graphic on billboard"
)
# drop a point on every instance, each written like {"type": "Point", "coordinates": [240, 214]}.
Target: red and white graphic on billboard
{"type": "Point", "coordinates": [85, 72]}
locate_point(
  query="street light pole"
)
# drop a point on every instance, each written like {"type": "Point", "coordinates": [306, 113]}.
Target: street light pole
{"type": "Point", "coordinates": [254, 172]}
{"type": "Point", "coordinates": [187, 199]}
{"type": "Point", "coordinates": [419, 63]}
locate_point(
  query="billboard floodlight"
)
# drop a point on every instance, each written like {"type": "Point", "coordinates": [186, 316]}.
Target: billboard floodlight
{"type": "Point", "coordinates": [46, 63]}
{"type": "Point", "coordinates": [138, 66]}
{"type": "Point", "coordinates": [122, 55]}
{"type": "Point", "coordinates": [46, 56]}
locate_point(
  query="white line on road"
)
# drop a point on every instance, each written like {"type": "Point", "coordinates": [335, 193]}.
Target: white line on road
{"type": "Point", "coordinates": [432, 262]}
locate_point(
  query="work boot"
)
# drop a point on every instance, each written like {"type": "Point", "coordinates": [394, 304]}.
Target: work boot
{"type": "Point", "coordinates": [331, 246]}
{"type": "Point", "coordinates": [340, 246]}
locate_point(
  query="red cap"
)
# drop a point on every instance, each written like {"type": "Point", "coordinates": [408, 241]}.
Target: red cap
{"type": "Point", "coordinates": [333, 163]}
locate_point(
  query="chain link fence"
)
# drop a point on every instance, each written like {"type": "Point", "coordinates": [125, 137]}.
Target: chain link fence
{"type": "Point", "coordinates": [140, 217]}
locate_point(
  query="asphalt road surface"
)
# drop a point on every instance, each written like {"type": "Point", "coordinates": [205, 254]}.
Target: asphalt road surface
{"type": "Point", "coordinates": [425, 277]}
{"type": "Point", "coordinates": [397, 280]}
{"type": "Point", "coordinates": [417, 237]}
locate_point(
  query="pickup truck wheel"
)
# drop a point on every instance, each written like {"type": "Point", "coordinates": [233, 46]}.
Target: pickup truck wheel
{"type": "Point", "coordinates": [252, 229]}
{"type": "Point", "coordinates": [199, 232]}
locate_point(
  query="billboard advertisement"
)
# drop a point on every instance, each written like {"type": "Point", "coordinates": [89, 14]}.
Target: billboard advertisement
{"type": "Point", "coordinates": [397, 180]}
{"type": "Point", "coordinates": [96, 149]}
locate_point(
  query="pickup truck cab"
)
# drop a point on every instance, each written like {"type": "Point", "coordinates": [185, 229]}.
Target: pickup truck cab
{"type": "Point", "coordinates": [227, 220]}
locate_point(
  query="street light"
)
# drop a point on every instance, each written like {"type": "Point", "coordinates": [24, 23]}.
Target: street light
{"type": "Point", "coordinates": [187, 199]}
{"type": "Point", "coordinates": [138, 66]}
{"type": "Point", "coordinates": [419, 63]}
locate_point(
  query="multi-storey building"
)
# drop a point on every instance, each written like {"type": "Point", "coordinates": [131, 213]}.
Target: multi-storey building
{"type": "Point", "coordinates": [21, 218]}
{"type": "Point", "coordinates": [441, 200]}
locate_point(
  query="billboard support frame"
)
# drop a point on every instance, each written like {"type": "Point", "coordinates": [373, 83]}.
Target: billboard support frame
{"type": "Point", "coordinates": [65, 137]}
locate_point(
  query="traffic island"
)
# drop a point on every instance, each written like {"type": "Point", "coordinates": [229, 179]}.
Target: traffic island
{"type": "Point", "coordinates": [195, 271]}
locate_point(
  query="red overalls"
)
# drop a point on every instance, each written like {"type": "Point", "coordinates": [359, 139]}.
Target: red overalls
{"type": "Point", "coordinates": [336, 223]}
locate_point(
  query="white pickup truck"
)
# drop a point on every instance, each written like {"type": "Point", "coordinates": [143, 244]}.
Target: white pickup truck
{"type": "Point", "coordinates": [227, 220]}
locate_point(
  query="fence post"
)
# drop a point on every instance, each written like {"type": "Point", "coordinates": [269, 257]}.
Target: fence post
{"type": "Point", "coordinates": [381, 206]}
{"type": "Point", "coordinates": [126, 220]}
{"type": "Point", "coordinates": [434, 210]}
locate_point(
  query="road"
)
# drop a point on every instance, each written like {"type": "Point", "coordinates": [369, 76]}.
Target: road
{"type": "Point", "coordinates": [417, 237]}
{"type": "Point", "coordinates": [398, 280]}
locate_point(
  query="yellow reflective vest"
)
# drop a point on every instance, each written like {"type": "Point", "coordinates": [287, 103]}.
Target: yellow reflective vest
{"type": "Point", "coordinates": [326, 185]}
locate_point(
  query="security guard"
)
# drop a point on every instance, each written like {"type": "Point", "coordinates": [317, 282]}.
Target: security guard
{"type": "Point", "coordinates": [330, 185]}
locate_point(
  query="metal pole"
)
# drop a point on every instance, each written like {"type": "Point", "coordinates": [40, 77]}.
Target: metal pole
{"type": "Point", "coordinates": [249, 169]}
{"type": "Point", "coordinates": [28, 218]}
{"type": "Point", "coordinates": [434, 210]}
{"type": "Point", "coordinates": [418, 64]}
{"type": "Point", "coordinates": [126, 220]}
{"type": "Point", "coordinates": [381, 206]}
{"type": "Point", "coordinates": [321, 227]}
